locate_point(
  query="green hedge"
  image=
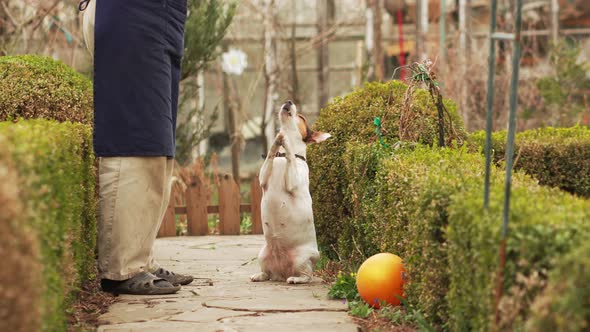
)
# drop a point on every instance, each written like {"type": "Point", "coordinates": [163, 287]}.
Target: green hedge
{"type": "Point", "coordinates": [400, 205]}
{"type": "Point", "coordinates": [55, 165]}
{"type": "Point", "coordinates": [425, 205]}
{"type": "Point", "coordinates": [565, 304]}
{"type": "Point", "coordinates": [558, 157]}
{"type": "Point", "coordinates": [545, 225]}
{"type": "Point", "coordinates": [32, 87]}
{"type": "Point", "coordinates": [19, 289]}
{"type": "Point", "coordinates": [351, 119]}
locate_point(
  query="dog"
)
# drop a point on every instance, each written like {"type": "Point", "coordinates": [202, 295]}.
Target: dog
{"type": "Point", "coordinates": [291, 249]}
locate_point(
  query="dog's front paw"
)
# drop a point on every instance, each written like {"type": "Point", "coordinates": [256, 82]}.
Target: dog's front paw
{"type": "Point", "coordinates": [262, 276]}
{"type": "Point", "coordinates": [287, 144]}
{"type": "Point", "coordinates": [298, 280]}
{"type": "Point", "coordinates": [279, 139]}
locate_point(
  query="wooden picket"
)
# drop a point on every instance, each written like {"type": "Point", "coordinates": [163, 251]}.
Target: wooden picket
{"type": "Point", "coordinates": [229, 206]}
{"type": "Point", "coordinates": [255, 200]}
{"type": "Point", "coordinates": [197, 197]}
{"type": "Point", "coordinates": [168, 228]}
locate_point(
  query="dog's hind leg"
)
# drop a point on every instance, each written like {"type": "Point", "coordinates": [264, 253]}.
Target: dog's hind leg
{"type": "Point", "coordinates": [264, 275]}
{"type": "Point", "coordinates": [304, 274]}
{"type": "Point", "coordinates": [304, 263]}
{"type": "Point", "coordinates": [266, 169]}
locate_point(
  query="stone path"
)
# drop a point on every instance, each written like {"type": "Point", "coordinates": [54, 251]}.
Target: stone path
{"type": "Point", "coordinates": [223, 298]}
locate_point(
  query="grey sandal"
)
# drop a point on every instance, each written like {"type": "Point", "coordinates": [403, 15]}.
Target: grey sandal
{"type": "Point", "coordinates": [144, 283]}
{"type": "Point", "coordinates": [173, 278]}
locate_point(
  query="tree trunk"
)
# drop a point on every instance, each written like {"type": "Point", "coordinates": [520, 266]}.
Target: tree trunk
{"type": "Point", "coordinates": [370, 39]}
{"type": "Point", "coordinates": [462, 58]}
{"type": "Point", "coordinates": [294, 78]}
{"type": "Point", "coordinates": [423, 29]}
{"type": "Point", "coordinates": [442, 29]}
{"type": "Point", "coordinates": [270, 74]}
{"type": "Point", "coordinates": [555, 21]}
{"type": "Point", "coordinates": [323, 55]}
{"type": "Point", "coordinates": [234, 134]}
{"type": "Point", "coordinates": [418, 33]}
{"type": "Point", "coordinates": [377, 35]}
{"type": "Point", "coordinates": [203, 145]}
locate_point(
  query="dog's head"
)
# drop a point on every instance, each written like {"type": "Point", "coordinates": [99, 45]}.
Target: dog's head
{"type": "Point", "coordinates": [295, 126]}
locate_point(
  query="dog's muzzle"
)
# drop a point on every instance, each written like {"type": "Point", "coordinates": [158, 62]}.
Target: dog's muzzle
{"type": "Point", "coordinates": [286, 108]}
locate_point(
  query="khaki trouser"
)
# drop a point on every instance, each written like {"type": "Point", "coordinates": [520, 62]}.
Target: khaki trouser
{"type": "Point", "coordinates": [133, 196]}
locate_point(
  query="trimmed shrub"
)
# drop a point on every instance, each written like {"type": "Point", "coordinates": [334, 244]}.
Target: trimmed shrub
{"type": "Point", "coordinates": [55, 165]}
{"type": "Point", "coordinates": [351, 119]}
{"type": "Point", "coordinates": [39, 87]}
{"type": "Point", "coordinates": [557, 157]}
{"type": "Point", "coordinates": [545, 225]}
{"type": "Point", "coordinates": [426, 205]}
{"type": "Point", "coordinates": [565, 304]}
{"type": "Point", "coordinates": [21, 272]}
{"type": "Point", "coordinates": [400, 205]}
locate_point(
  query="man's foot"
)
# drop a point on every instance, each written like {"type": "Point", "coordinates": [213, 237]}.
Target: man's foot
{"type": "Point", "coordinates": [173, 278]}
{"type": "Point", "coordinates": [144, 283]}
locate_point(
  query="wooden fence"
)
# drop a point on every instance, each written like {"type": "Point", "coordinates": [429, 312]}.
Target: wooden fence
{"type": "Point", "coordinates": [196, 195]}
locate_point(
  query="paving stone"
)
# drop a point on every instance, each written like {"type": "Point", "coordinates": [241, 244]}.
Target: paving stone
{"type": "Point", "coordinates": [223, 298]}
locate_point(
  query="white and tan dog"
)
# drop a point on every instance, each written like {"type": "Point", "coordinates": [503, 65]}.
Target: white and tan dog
{"type": "Point", "coordinates": [291, 248]}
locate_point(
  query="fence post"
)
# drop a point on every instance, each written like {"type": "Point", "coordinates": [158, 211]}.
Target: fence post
{"type": "Point", "coordinates": [197, 199]}
{"type": "Point", "coordinates": [168, 225]}
{"type": "Point", "coordinates": [229, 206]}
{"type": "Point", "coordinates": [255, 208]}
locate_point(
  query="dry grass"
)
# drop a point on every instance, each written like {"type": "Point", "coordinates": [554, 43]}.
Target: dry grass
{"type": "Point", "coordinates": [375, 323]}
{"type": "Point", "coordinates": [90, 304]}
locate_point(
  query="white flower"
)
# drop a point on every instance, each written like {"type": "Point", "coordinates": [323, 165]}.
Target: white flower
{"type": "Point", "coordinates": [234, 62]}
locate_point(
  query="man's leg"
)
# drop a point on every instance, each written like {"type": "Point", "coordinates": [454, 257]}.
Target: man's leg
{"type": "Point", "coordinates": [153, 266]}
{"type": "Point", "coordinates": [131, 195]}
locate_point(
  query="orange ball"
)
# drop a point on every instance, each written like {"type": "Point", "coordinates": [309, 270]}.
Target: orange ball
{"type": "Point", "coordinates": [381, 278]}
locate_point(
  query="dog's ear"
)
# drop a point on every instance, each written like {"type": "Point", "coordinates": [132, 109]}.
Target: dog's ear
{"type": "Point", "coordinates": [317, 137]}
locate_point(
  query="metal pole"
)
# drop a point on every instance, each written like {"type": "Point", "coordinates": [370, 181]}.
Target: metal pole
{"type": "Point", "coordinates": [512, 117]}
{"type": "Point", "coordinates": [509, 153]}
{"type": "Point", "coordinates": [490, 102]}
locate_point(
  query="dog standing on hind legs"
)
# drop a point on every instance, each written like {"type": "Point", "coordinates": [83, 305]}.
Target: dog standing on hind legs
{"type": "Point", "coordinates": [291, 249]}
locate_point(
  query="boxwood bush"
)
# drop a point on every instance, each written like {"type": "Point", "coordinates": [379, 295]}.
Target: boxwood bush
{"type": "Point", "coordinates": [565, 304]}
{"type": "Point", "coordinates": [55, 166]}
{"type": "Point", "coordinates": [546, 224]}
{"type": "Point", "coordinates": [32, 87]}
{"type": "Point", "coordinates": [558, 157]}
{"type": "Point", "coordinates": [351, 119]}
{"type": "Point", "coordinates": [426, 205]}
{"type": "Point", "coordinates": [399, 204]}
{"type": "Point", "coordinates": [20, 287]}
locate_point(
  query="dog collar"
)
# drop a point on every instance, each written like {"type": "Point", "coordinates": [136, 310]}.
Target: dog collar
{"type": "Point", "coordinates": [279, 154]}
